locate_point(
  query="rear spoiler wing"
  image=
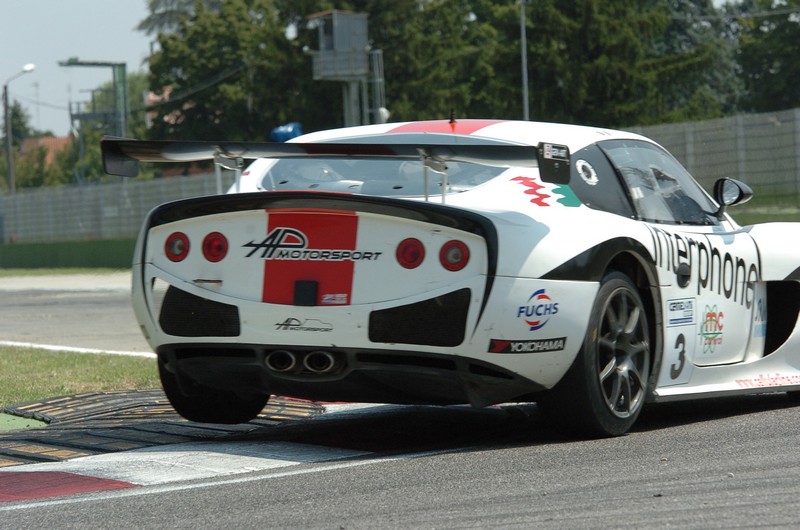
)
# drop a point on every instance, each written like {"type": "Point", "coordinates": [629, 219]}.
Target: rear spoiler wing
{"type": "Point", "coordinates": [122, 156]}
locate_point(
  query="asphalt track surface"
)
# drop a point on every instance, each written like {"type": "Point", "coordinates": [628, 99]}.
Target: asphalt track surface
{"type": "Point", "coordinates": [724, 463]}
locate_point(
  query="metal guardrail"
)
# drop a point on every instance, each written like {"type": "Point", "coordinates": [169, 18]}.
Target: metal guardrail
{"type": "Point", "coordinates": [94, 212]}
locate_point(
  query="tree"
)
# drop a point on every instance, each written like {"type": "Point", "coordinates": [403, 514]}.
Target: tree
{"type": "Point", "coordinates": [20, 124]}
{"type": "Point", "coordinates": [20, 129]}
{"type": "Point", "coordinates": [770, 31]}
{"type": "Point", "coordinates": [81, 161]}
{"type": "Point", "coordinates": [231, 75]}
{"type": "Point", "coordinates": [694, 64]}
{"type": "Point", "coordinates": [437, 55]}
{"type": "Point", "coordinates": [165, 15]}
{"type": "Point", "coordinates": [234, 74]}
{"type": "Point", "coordinates": [588, 60]}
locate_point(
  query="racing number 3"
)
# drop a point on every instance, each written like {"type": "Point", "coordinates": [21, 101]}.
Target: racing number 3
{"type": "Point", "coordinates": [680, 345]}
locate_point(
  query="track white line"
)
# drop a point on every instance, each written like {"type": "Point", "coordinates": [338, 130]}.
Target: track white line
{"type": "Point", "coordinates": [70, 349]}
{"type": "Point", "coordinates": [192, 461]}
{"type": "Point", "coordinates": [250, 477]}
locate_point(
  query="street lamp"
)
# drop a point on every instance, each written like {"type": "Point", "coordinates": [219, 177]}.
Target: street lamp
{"type": "Point", "coordinates": [7, 117]}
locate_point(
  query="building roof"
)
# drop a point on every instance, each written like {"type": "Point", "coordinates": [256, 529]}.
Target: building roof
{"type": "Point", "coordinates": [53, 145]}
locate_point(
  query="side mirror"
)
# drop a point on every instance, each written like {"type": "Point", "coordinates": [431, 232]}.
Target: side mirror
{"type": "Point", "coordinates": [728, 192]}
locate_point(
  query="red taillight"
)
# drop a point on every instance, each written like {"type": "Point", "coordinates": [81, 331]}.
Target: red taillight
{"type": "Point", "coordinates": [177, 247]}
{"type": "Point", "coordinates": [410, 253]}
{"type": "Point", "coordinates": [215, 247]}
{"type": "Point", "coordinates": [454, 255]}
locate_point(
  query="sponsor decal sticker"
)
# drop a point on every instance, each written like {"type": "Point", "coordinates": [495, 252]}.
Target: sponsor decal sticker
{"type": "Point", "coordinates": [538, 310]}
{"type": "Point", "coordinates": [308, 324]}
{"type": "Point", "coordinates": [334, 299]}
{"type": "Point", "coordinates": [535, 189]}
{"type": "Point", "coordinates": [309, 245]}
{"type": "Point", "coordinates": [556, 152]}
{"type": "Point", "coordinates": [680, 312]}
{"type": "Point", "coordinates": [527, 346]}
{"type": "Point", "coordinates": [711, 330]}
{"type": "Point", "coordinates": [763, 381]}
{"type": "Point", "coordinates": [283, 243]}
{"type": "Point", "coordinates": [717, 271]}
{"type": "Point", "coordinates": [586, 172]}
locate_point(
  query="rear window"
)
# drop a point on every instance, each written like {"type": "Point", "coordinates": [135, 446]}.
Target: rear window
{"type": "Point", "coordinates": [374, 177]}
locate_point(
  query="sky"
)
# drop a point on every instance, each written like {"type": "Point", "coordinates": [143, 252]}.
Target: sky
{"type": "Point", "coordinates": [44, 32]}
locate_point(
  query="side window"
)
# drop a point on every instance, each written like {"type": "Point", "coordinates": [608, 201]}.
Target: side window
{"type": "Point", "coordinates": [594, 182]}
{"type": "Point", "coordinates": [660, 189]}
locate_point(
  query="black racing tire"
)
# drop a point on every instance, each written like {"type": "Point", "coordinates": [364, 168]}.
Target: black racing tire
{"type": "Point", "coordinates": [202, 404]}
{"type": "Point", "coordinates": [604, 390]}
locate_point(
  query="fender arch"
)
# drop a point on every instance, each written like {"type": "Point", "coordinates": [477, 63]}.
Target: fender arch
{"type": "Point", "coordinates": [632, 258]}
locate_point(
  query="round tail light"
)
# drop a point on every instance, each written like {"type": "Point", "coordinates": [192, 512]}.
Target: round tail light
{"type": "Point", "coordinates": [454, 255]}
{"type": "Point", "coordinates": [177, 246]}
{"type": "Point", "coordinates": [215, 247]}
{"type": "Point", "coordinates": [410, 253]}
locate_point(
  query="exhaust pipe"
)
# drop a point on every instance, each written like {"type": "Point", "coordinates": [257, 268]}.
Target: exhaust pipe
{"type": "Point", "coordinates": [319, 362]}
{"type": "Point", "coordinates": [281, 361]}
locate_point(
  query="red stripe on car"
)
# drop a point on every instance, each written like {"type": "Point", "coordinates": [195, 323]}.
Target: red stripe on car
{"type": "Point", "coordinates": [444, 126]}
{"type": "Point", "coordinates": [316, 249]}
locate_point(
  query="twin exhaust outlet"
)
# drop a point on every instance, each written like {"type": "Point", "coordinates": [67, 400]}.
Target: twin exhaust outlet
{"type": "Point", "coordinates": [318, 362]}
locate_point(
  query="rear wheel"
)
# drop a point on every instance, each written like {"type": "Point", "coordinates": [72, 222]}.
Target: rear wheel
{"type": "Point", "coordinates": [200, 403]}
{"type": "Point", "coordinates": [603, 392]}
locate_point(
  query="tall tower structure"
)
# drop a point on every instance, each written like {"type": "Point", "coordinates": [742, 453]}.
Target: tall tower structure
{"type": "Point", "coordinates": [345, 55]}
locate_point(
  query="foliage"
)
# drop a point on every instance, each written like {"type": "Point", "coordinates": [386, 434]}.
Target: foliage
{"type": "Point", "coordinates": [236, 69]}
{"type": "Point", "coordinates": [443, 52]}
{"type": "Point", "coordinates": [81, 161]}
{"type": "Point", "coordinates": [607, 62]}
{"type": "Point", "coordinates": [589, 58]}
{"type": "Point", "coordinates": [165, 15]}
{"type": "Point", "coordinates": [694, 62]}
{"type": "Point", "coordinates": [770, 31]}
{"type": "Point", "coordinates": [20, 124]}
{"type": "Point", "coordinates": [230, 75]}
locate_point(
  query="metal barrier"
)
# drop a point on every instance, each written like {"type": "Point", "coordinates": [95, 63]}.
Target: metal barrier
{"type": "Point", "coordinates": [95, 212]}
{"type": "Point", "coordinates": [760, 149]}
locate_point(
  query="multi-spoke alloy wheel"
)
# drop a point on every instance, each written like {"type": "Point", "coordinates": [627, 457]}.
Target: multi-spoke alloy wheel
{"type": "Point", "coordinates": [603, 392]}
{"type": "Point", "coordinates": [623, 357]}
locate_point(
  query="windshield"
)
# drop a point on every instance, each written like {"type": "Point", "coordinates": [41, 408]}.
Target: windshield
{"type": "Point", "coordinates": [662, 191]}
{"type": "Point", "coordinates": [374, 177]}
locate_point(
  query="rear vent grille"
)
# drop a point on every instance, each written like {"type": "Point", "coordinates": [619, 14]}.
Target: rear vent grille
{"type": "Point", "coordinates": [440, 321]}
{"type": "Point", "coordinates": [407, 360]}
{"type": "Point", "coordinates": [186, 315]}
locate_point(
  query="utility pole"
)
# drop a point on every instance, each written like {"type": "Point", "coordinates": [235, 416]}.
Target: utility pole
{"type": "Point", "coordinates": [524, 55]}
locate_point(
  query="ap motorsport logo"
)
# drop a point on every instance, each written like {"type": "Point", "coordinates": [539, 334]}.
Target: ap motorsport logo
{"type": "Point", "coordinates": [283, 243]}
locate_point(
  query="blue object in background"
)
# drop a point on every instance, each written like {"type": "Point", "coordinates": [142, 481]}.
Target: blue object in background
{"type": "Point", "coordinates": [285, 132]}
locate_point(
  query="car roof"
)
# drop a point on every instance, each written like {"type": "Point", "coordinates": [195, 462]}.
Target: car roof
{"type": "Point", "coordinates": [576, 137]}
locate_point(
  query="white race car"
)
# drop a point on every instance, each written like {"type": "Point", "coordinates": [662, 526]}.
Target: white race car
{"type": "Point", "coordinates": [470, 261]}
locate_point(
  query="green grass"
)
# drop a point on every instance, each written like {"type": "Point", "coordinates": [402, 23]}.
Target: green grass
{"type": "Point", "coordinates": [28, 374]}
{"type": "Point", "coordinates": [10, 272]}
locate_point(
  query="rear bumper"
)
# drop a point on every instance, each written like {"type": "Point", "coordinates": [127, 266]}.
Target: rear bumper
{"type": "Point", "coordinates": [363, 375]}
